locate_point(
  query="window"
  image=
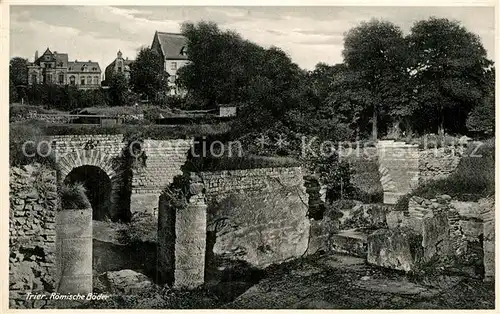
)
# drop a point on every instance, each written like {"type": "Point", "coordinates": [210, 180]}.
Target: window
{"type": "Point", "coordinates": [89, 80]}
{"type": "Point", "coordinates": [61, 78]}
{"type": "Point", "coordinates": [48, 79]}
{"type": "Point", "coordinates": [72, 80]}
{"type": "Point", "coordinates": [119, 69]}
{"type": "Point", "coordinates": [33, 79]}
{"type": "Point", "coordinates": [48, 65]}
{"type": "Point", "coordinates": [96, 80]}
{"type": "Point", "coordinates": [82, 80]}
{"type": "Point", "coordinates": [172, 78]}
{"type": "Point", "coordinates": [173, 66]}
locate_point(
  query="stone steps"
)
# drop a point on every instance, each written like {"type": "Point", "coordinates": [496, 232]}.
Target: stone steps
{"type": "Point", "coordinates": [351, 242]}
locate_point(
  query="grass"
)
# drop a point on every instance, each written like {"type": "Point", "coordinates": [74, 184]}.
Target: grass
{"type": "Point", "coordinates": [473, 179]}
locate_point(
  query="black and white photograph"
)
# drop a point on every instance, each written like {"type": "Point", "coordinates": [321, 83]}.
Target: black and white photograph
{"type": "Point", "coordinates": [250, 157]}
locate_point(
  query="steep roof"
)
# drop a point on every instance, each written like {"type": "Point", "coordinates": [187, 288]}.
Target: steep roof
{"type": "Point", "coordinates": [76, 66]}
{"type": "Point", "coordinates": [172, 44]}
{"type": "Point", "coordinates": [61, 58]}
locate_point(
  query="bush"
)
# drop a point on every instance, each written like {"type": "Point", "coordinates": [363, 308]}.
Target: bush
{"type": "Point", "coordinates": [473, 179]}
{"type": "Point", "coordinates": [28, 144]}
{"type": "Point", "coordinates": [73, 196]}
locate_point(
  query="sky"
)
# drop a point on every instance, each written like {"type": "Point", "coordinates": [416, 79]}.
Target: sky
{"type": "Point", "coordinates": [308, 34]}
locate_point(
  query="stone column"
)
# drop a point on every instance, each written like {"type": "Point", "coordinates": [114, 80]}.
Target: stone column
{"type": "Point", "coordinates": [398, 166]}
{"type": "Point", "coordinates": [74, 250]}
{"type": "Point", "coordinates": [182, 237]}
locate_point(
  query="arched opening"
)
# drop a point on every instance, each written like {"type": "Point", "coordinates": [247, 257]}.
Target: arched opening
{"type": "Point", "coordinates": [98, 187]}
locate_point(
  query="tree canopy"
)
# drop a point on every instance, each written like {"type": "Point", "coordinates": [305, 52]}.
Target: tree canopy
{"type": "Point", "coordinates": [147, 75]}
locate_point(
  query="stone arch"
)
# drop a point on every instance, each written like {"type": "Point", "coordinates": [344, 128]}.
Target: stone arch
{"type": "Point", "coordinates": [102, 161]}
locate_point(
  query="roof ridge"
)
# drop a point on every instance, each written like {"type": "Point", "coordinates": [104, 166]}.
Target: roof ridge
{"type": "Point", "coordinates": [169, 33]}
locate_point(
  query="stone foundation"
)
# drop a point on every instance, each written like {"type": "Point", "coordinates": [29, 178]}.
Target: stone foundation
{"type": "Point", "coordinates": [463, 230]}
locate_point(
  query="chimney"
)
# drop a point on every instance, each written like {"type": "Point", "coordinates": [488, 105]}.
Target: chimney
{"type": "Point", "coordinates": [36, 55]}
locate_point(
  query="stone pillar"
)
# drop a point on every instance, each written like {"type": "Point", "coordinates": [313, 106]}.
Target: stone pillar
{"type": "Point", "coordinates": [74, 250]}
{"type": "Point", "coordinates": [488, 213]}
{"type": "Point", "coordinates": [398, 166]}
{"type": "Point", "coordinates": [182, 230]}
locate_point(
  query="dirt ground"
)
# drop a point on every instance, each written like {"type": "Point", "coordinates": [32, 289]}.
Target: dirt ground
{"type": "Point", "coordinates": [344, 282]}
{"type": "Point", "coordinates": [321, 281]}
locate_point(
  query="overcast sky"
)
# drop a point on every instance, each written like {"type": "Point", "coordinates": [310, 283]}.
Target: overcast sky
{"type": "Point", "coordinates": [308, 34]}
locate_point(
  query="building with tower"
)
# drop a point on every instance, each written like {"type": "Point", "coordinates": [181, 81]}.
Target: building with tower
{"type": "Point", "coordinates": [119, 65]}
{"type": "Point", "coordinates": [54, 68]}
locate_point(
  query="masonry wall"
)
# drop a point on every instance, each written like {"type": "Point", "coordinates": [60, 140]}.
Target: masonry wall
{"type": "Point", "coordinates": [257, 215]}
{"type": "Point", "coordinates": [164, 161]}
{"type": "Point", "coordinates": [448, 227]}
{"type": "Point", "coordinates": [399, 169]}
{"type": "Point", "coordinates": [438, 163]}
{"type": "Point", "coordinates": [32, 234]}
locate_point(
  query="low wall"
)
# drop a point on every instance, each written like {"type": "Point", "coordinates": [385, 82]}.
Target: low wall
{"type": "Point", "coordinates": [32, 234]}
{"type": "Point", "coordinates": [438, 163]}
{"type": "Point", "coordinates": [450, 228]}
{"type": "Point", "coordinates": [257, 215]}
{"type": "Point", "coordinates": [164, 161]}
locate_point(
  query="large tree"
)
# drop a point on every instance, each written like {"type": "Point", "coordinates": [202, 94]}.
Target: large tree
{"type": "Point", "coordinates": [18, 71]}
{"type": "Point", "coordinates": [448, 67]}
{"type": "Point", "coordinates": [374, 53]}
{"type": "Point", "coordinates": [222, 64]}
{"type": "Point", "coordinates": [147, 74]}
{"type": "Point", "coordinates": [18, 78]}
{"type": "Point", "coordinates": [118, 90]}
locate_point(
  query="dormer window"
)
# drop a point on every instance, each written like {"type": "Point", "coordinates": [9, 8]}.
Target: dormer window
{"type": "Point", "coordinates": [183, 51]}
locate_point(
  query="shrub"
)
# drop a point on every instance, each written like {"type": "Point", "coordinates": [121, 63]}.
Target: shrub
{"type": "Point", "coordinates": [73, 196]}
{"type": "Point", "coordinates": [24, 141]}
{"type": "Point", "coordinates": [158, 132]}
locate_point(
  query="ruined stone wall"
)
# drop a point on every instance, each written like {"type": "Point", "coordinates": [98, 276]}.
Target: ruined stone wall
{"type": "Point", "coordinates": [257, 215]}
{"type": "Point", "coordinates": [487, 206]}
{"type": "Point", "coordinates": [448, 228]}
{"type": "Point", "coordinates": [164, 159]}
{"type": "Point", "coordinates": [399, 168]}
{"type": "Point", "coordinates": [32, 234]}
{"type": "Point", "coordinates": [438, 163]}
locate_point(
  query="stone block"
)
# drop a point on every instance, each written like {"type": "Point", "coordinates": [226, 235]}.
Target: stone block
{"type": "Point", "coordinates": [435, 236]}
{"type": "Point", "coordinates": [394, 248]}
